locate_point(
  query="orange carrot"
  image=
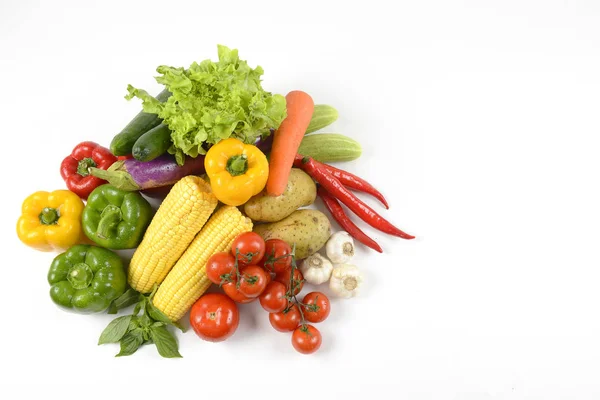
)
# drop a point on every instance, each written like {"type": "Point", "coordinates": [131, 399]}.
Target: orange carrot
{"type": "Point", "coordinates": [287, 138]}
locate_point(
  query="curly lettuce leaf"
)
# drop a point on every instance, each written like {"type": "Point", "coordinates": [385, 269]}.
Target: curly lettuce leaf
{"type": "Point", "coordinates": [212, 101]}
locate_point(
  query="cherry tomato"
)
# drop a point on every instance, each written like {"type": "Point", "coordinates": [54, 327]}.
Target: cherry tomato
{"type": "Point", "coordinates": [232, 291]}
{"type": "Point", "coordinates": [253, 281]}
{"type": "Point", "coordinates": [306, 339]}
{"type": "Point", "coordinates": [214, 317]}
{"type": "Point", "coordinates": [273, 297]}
{"type": "Point", "coordinates": [269, 276]}
{"type": "Point", "coordinates": [284, 278]}
{"type": "Point", "coordinates": [285, 321]}
{"type": "Point", "coordinates": [221, 268]}
{"type": "Point", "coordinates": [251, 248]}
{"type": "Point", "coordinates": [317, 307]}
{"type": "Point", "coordinates": [277, 249]}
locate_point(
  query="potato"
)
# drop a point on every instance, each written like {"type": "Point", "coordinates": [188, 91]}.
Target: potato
{"type": "Point", "coordinates": [308, 229]}
{"type": "Point", "coordinates": [300, 191]}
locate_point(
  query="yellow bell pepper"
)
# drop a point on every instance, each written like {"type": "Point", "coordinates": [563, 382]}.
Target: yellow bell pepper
{"type": "Point", "coordinates": [237, 171]}
{"type": "Point", "coordinates": [51, 220]}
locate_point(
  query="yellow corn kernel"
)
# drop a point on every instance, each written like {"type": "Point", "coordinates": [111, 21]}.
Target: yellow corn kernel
{"type": "Point", "coordinates": [187, 280]}
{"type": "Point", "coordinates": [179, 218]}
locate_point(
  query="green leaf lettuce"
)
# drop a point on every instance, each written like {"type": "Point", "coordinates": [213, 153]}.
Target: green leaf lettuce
{"type": "Point", "coordinates": [212, 101]}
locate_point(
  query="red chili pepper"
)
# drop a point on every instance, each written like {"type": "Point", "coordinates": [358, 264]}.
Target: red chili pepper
{"type": "Point", "coordinates": [335, 187]}
{"type": "Point", "coordinates": [74, 169]}
{"type": "Point", "coordinates": [345, 222]}
{"type": "Point", "coordinates": [348, 179]}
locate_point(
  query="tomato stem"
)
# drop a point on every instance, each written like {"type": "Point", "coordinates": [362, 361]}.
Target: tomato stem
{"type": "Point", "coordinates": [237, 269]}
{"type": "Point", "coordinates": [290, 294]}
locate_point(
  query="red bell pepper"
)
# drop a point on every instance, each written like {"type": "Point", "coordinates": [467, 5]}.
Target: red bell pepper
{"type": "Point", "coordinates": [75, 167]}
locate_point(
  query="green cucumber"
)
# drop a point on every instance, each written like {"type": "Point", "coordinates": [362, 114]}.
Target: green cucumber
{"type": "Point", "coordinates": [323, 115]}
{"type": "Point", "coordinates": [330, 147]}
{"type": "Point", "coordinates": [152, 144]}
{"type": "Point", "coordinates": [122, 143]}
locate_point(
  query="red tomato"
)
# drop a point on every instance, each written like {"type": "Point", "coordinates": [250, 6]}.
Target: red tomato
{"type": "Point", "coordinates": [273, 297]}
{"type": "Point", "coordinates": [285, 321]}
{"type": "Point", "coordinates": [232, 291]}
{"type": "Point", "coordinates": [269, 276]}
{"type": "Point", "coordinates": [284, 278]}
{"type": "Point", "coordinates": [250, 248]}
{"type": "Point", "coordinates": [306, 339]}
{"type": "Point", "coordinates": [221, 268]}
{"type": "Point", "coordinates": [277, 249]}
{"type": "Point", "coordinates": [316, 307]}
{"type": "Point", "coordinates": [214, 317]}
{"type": "Point", "coordinates": [253, 281]}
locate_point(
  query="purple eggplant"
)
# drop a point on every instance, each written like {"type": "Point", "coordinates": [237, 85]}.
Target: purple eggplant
{"type": "Point", "coordinates": [131, 174]}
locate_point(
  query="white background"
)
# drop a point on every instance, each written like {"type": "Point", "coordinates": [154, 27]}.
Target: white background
{"type": "Point", "coordinates": [478, 121]}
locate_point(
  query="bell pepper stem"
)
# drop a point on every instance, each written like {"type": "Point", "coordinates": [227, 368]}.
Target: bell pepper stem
{"type": "Point", "coordinates": [83, 167]}
{"type": "Point", "coordinates": [237, 165]}
{"type": "Point", "coordinates": [80, 276]}
{"type": "Point", "coordinates": [111, 216]}
{"type": "Point", "coordinates": [49, 216]}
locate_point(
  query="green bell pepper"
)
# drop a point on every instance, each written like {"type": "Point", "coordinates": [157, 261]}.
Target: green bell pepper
{"type": "Point", "coordinates": [116, 219]}
{"type": "Point", "coordinates": [86, 278]}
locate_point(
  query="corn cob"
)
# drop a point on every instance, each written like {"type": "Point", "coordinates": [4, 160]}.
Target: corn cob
{"type": "Point", "coordinates": [179, 218]}
{"type": "Point", "coordinates": [187, 280]}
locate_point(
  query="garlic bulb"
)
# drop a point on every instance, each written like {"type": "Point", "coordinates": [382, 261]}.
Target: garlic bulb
{"type": "Point", "coordinates": [316, 269]}
{"type": "Point", "coordinates": [340, 247]}
{"type": "Point", "coordinates": [345, 281]}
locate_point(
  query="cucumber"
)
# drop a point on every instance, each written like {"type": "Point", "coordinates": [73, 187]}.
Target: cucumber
{"type": "Point", "coordinates": [122, 143]}
{"type": "Point", "coordinates": [152, 144]}
{"type": "Point", "coordinates": [330, 147]}
{"type": "Point", "coordinates": [323, 115]}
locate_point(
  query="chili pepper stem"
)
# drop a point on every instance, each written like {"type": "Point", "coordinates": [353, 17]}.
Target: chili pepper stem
{"type": "Point", "coordinates": [348, 179]}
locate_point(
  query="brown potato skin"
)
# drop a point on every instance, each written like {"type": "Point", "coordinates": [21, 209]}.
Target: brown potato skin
{"type": "Point", "coordinates": [308, 229]}
{"type": "Point", "coordinates": [300, 191]}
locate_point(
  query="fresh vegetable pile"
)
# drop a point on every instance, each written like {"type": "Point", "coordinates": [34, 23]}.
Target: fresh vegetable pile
{"type": "Point", "coordinates": [235, 171]}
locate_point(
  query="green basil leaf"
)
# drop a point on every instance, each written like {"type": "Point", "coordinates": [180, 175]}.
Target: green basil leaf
{"type": "Point", "coordinates": [129, 298]}
{"type": "Point", "coordinates": [145, 321]}
{"type": "Point", "coordinates": [158, 315]}
{"type": "Point", "coordinates": [137, 331]}
{"type": "Point", "coordinates": [140, 306]}
{"type": "Point", "coordinates": [130, 343]}
{"type": "Point", "coordinates": [112, 309]}
{"type": "Point", "coordinates": [115, 330]}
{"type": "Point", "coordinates": [134, 324]}
{"type": "Point", "coordinates": [165, 342]}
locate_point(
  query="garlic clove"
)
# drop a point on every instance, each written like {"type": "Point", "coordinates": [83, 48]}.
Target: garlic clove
{"type": "Point", "coordinates": [340, 247]}
{"type": "Point", "coordinates": [316, 269]}
{"type": "Point", "coordinates": [346, 280]}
